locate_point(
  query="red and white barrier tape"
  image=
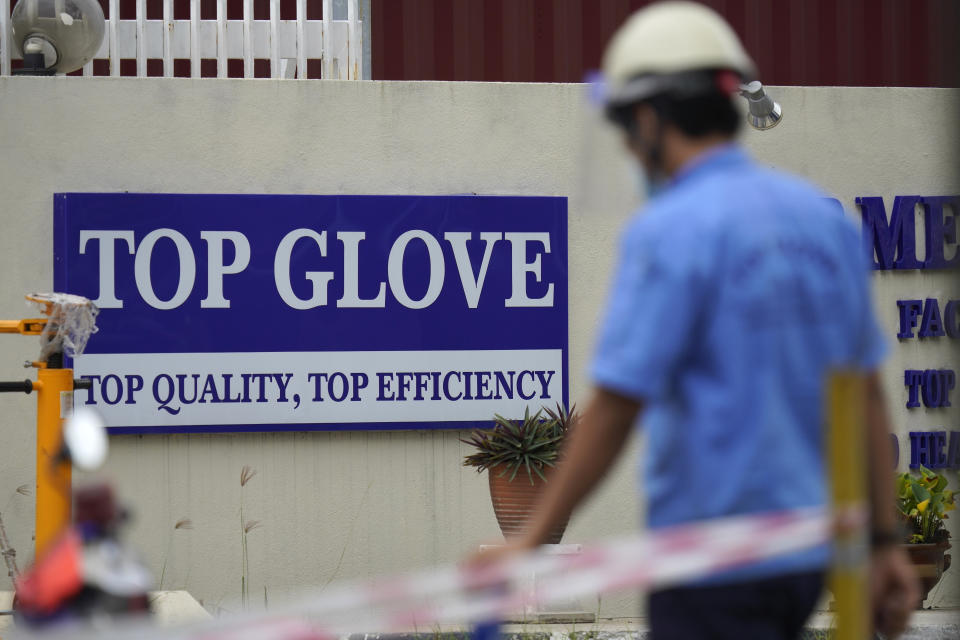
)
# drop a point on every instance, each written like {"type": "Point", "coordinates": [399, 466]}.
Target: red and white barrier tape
{"type": "Point", "coordinates": [455, 594]}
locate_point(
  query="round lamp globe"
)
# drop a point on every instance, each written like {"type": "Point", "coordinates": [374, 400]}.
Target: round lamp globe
{"type": "Point", "coordinates": [67, 33]}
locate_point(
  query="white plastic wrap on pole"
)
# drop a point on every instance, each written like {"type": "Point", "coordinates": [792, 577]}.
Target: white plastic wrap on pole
{"type": "Point", "coordinates": [73, 321]}
{"type": "Point", "coordinates": [113, 26]}
{"type": "Point", "coordinates": [194, 38]}
{"type": "Point", "coordinates": [301, 39]}
{"type": "Point", "coordinates": [167, 38]}
{"type": "Point", "coordinates": [221, 38]}
{"type": "Point", "coordinates": [5, 38]}
{"type": "Point", "coordinates": [327, 39]}
{"type": "Point", "coordinates": [247, 38]}
{"type": "Point", "coordinates": [274, 38]}
{"type": "Point", "coordinates": [354, 44]}
{"type": "Point", "coordinates": [141, 38]}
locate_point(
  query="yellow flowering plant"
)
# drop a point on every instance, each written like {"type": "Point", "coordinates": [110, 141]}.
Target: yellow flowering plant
{"type": "Point", "coordinates": [923, 502]}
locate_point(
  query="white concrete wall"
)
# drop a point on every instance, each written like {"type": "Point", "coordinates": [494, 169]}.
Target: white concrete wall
{"type": "Point", "coordinates": [337, 505]}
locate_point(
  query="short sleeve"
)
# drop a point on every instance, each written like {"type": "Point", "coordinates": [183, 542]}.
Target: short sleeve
{"type": "Point", "coordinates": [648, 322]}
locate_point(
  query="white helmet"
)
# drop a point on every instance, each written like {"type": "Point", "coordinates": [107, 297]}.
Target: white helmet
{"type": "Point", "coordinates": [659, 45]}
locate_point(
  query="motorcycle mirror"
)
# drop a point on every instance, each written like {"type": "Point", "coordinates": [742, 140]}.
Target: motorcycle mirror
{"type": "Point", "coordinates": [85, 439]}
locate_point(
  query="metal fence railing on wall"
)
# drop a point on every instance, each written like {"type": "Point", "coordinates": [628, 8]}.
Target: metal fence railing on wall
{"type": "Point", "coordinates": [330, 47]}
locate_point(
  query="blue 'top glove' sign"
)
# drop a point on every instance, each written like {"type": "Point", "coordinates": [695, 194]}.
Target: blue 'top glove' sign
{"type": "Point", "coordinates": [261, 313]}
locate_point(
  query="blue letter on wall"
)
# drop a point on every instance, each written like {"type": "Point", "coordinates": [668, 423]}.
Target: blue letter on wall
{"type": "Point", "coordinates": [950, 319]}
{"type": "Point", "coordinates": [894, 242]}
{"type": "Point", "coordinates": [931, 326]}
{"type": "Point", "coordinates": [909, 310]}
{"type": "Point", "coordinates": [941, 227]}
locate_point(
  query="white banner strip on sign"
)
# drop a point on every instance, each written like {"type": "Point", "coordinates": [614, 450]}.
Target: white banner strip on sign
{"type": "Point", "coordinates": [160, 389]}
{"type": "Point", "coordinates": [454, 594]}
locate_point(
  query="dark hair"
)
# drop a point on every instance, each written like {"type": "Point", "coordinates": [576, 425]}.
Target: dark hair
{"type": "Point", "coordinates": [699, 115]}
{"type": "Point", "coordinates": [696, 116]}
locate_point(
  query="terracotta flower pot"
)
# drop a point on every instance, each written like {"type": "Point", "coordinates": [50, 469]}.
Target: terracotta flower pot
{"type": "Point", "coordinates": [513, 502]}
{"type": "Point", "coordinates": [930, 561]}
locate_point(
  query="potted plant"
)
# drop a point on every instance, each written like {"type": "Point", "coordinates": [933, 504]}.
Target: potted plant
{"type": "Point", "coordinates": [923, 502]}
{"type": "Point", "coordinates": [519, 456]}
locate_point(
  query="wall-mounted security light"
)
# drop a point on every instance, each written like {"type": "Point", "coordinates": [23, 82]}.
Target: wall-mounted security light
{"type": "Point", "coordinates": [56, 36]}
{"type": "Point", "coordinates": [763, 113]}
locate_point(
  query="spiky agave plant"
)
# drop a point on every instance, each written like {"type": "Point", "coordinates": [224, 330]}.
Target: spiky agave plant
{"type": "Point", "coordinates": [532, 443]}
{"type": "Point", "coordinates": [565, 420]}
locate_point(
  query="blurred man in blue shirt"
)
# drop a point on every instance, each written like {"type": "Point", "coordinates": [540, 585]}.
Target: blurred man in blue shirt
{"type": "Point", "coordinates": [738, 290]}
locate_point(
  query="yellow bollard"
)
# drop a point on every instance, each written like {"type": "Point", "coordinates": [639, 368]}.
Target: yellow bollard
{"type": "Point", "coordinates": [54, 387]}
{"type": "Point", "coordinates": [846, 443]}
{"type": "Point", "coordinates": [54, 399]}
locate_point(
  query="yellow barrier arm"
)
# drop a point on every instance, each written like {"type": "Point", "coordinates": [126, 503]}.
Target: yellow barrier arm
{"type": "Point", "coordinates": [28, 327]}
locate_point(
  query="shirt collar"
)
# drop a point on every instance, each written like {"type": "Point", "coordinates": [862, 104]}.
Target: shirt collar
{"type": "Point", "coordinates": [723, 155]}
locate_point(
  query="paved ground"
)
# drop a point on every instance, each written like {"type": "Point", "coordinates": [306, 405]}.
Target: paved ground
{"type": "Point", "coordinates": [941, 624]}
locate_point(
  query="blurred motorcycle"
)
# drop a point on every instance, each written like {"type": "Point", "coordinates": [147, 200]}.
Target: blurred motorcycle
{"type": "Point", "coordinates": [88, 574]}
